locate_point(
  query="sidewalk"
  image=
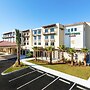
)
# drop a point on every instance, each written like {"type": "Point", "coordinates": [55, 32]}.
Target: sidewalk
{"type": "Point", "coordinates": [60, 74]}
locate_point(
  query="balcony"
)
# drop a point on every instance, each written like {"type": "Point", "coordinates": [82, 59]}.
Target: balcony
{"type": "Point", "coordinates": [52, 40]}
{"type": "Point", "coordinates": [49, 33]}
{"type": "Point", "coordinates": [5, 37]}
{"type": "Point", "coordinates": [46, 40]}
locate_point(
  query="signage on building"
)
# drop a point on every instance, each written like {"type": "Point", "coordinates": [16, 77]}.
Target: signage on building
{"type": "Point", "coordinates": [72, 34]}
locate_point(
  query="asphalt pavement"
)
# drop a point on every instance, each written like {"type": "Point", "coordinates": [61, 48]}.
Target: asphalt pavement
{"type": "Point", "coordinates": [34, 79]}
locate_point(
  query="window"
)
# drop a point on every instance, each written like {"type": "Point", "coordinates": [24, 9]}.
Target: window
{"type": "Point", "coordinates": [68, 30]}
{"type": "Point", "coordinates": [52, 36]}
{"type": "Point", "coordinates": [71, 29]}
{"type": "Point", "coordinates": [35, 32]}
{"type": "Point", "coordinates": [27, 43]}
{"type": "Point", "coordinates": [24, 43]}
{"type": "Point", "coordinates": [39, 31]}
{"type": "Point", "coordinates": [46, 37]}
{"type": "Point", "coordinates": [52, 43]}
{"type": "Point", "coordinates": [35, 43]}
{"type": "Point", "coordinates": [27, 33]}
{"type": "Point", "coordinates": [52, 30]}
{"type": "Point", "coordinates": [46, 30]}
{"type": "Point", "coordinates": [39, 37]}
{"type": "Point", "coordinates": [39, 43]}
{"type": "Point", "coordinates": [75, 29]}
{"type": "Point", "coordinates": [24, 33]}
{"type": "Point", "coordinates": [35, 38]}
{"type": "Point", "coordinates": [46, 43]}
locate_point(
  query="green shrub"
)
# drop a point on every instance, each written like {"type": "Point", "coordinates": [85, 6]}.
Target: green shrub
{"type": "Point", "coordinates": [29, 54]}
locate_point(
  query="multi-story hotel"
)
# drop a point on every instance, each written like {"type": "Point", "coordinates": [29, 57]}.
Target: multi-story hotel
{"type": "Point", "coordinates": [72, 35]}
{"type": "Point", "coordinates": [77, 35]}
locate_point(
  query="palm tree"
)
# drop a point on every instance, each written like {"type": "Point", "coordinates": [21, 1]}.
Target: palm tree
{"type": "Point", "coordinates": [71, 51]}
{"type": "Point", "coordinates": [18, 42]}
{"type": "Point", "coordinates": [35, 52]}
{"type": "Point", "coordinates": [62, 49]}
{"type": "Point", "coordinates": [84, 50]}
{"type": "Point", "coordinates": [49, 50]}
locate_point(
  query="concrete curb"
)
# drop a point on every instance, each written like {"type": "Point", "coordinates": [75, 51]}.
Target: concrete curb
{"type": "Point", "coordinates": [60, 74]}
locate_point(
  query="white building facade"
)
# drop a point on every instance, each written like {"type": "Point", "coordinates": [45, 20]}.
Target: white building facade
{"type": "Point", "coordinates": [77, 35]}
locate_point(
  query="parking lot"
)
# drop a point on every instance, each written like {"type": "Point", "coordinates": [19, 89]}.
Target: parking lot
{"type": "Point", "coordinates": [34, 79]}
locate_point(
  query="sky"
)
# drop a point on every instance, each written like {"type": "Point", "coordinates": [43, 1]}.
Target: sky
{"type": "Point", "coordinates": [29, 14]}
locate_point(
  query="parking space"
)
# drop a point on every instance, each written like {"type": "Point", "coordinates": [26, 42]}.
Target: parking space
{"type": "Point", "coordinates": [79, 87]}
{"type": "Point", "coordinates": [34, 79]}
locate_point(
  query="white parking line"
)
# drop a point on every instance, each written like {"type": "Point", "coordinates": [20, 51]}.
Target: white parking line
{"type": "Point", "coordinates": [64, 81]}
{"type": "Point", "coordinates": [30, 81]}
{"type": "Point", "coordinates": [40, 71]}
{"type": "Point", "coordinates": [22, 75]}
{"type": "Point", "coordinates": [50, 75]}
{"type": "Point", "coordinates": [72, 86]}
{"type": "Point", "coordinates": [31, 68]}
{"type": "Point", "coordinates": [81, 88]}
{"type": "Point", "coordinates": [50, 83]}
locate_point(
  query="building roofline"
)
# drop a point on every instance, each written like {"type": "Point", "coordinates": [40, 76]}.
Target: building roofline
{"type": "Point", "coordinates": [26, 30]}
{"type": "Point", "coordinates": [7, 33]}
{"type": "Point", "coordinates": [74, 24]}
{"type": "Point", "coordinates": [50, 25]}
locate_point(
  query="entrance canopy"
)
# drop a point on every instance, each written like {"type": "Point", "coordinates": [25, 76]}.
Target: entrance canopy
{"type": "Point", "coordinates": [7, 47]}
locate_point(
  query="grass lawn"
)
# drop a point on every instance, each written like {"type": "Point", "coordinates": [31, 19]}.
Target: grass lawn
{"type": "Point", "coordinates": [11, 69]}
{"type": "Point", "coordinates": [78, 71]}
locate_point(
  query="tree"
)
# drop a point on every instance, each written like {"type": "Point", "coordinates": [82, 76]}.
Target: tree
{"type": "Point", "coordinates": [49, 50]}
{"type": "Point", "coordinates": [62, 49]}
{"type": "Point", "coordinates": [71, 51]}
{"type": "Point", "coordinates": [84, 50]}
{"type": "Point", "coordinates": [35, 52]}
{"type": "Point", "coordinates": [18, 42]}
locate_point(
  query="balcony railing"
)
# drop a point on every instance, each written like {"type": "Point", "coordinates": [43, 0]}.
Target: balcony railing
{"type": "Point", "coordinates": [49, 33]}
{"type": "Point", "coordinates": [5, 37]}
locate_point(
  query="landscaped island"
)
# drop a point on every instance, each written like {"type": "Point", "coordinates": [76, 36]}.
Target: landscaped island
{"type": "Point", "coordinates": [78, 71]}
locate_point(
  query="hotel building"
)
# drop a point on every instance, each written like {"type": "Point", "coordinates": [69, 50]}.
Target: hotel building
{"type": "Point", "coordinates": [77, 35]}
{"type": "Point", "coordinates": [72, 35]}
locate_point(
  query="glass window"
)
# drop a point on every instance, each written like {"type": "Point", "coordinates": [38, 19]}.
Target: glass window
{"type": "Point", "coordinates": [68, 30]}
{"type": "Point", "coordinates": [52, 43]}
{"type": "Point", "coordinates": [24, 33]}
{"type": "Point", "coordinates": [39, 37]}
{"type": "Point", "coordinates": [46, 30]}
{"type": "Point", "coordinates": [71, 29]}
{"type": "Point", "coordinates": [39, 43]}
{"type": "Point", "coordinates": [46, 37]}
{"type": "Point", "coordinates": [46, 43]}
{"type": "Point", "coordinates": [39, 31]}
{"type": "Point", "coordinates": [35, 38]}
{"type": "Point", "coordinates": [35, 43]}
{"type": "Point", "coordinates": [35, 32]}
{"type": "Point", "coordinates": [27, 43]}
{"type": "Point", "coordinates": [52, 30]}
{"type": "Point", "coordinates": [24, 43]}
{"type": "Point", "coordinates": [27, 33]}
{"type": "Point", "coordinates": [75, 29]}
{"type": "Point", "coordinates": [52, 36]}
